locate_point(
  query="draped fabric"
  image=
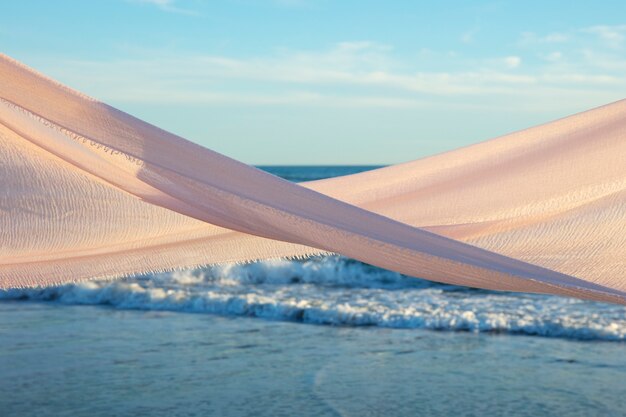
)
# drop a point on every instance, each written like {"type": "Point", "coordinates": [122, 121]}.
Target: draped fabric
{"type": "Point", "coordinates": [87, 191]}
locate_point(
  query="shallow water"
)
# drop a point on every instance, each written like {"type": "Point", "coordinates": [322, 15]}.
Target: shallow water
{"type": "Point", "coordinates": [100, 361]}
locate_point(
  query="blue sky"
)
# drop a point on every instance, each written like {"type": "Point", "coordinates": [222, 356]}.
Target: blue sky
{"type": "Point", "coordinates": [329, 82]}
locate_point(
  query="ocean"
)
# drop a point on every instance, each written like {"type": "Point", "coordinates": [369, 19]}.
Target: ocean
{"type": "Point", "coordinates": [321, 336]}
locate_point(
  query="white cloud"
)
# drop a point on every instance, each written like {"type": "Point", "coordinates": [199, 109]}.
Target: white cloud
{"type": "Point", "coordinates": [512, 61]}
{"type": "Point", "coordinates": [349, 74]}
{"type": "Point", "coordinates": [468, 37]}
{"type": "Point", "coordinates": [554, 56]}
{"type": "Point", "coordinates": [530, 38]}
{"type": "Point", "coordinates": [555, 38]}
{"type": "Point", "coordinates": [143, 94]}
{"type": "Point", "coordinates": [598, 36]}
{"type": "Point", "coordinates": [614, 62]}
{"type": "Point", "coordinates": [613, 36]}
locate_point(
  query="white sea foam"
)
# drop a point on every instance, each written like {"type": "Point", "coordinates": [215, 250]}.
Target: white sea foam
{"type": "Point", "coordinates": [337, 291]}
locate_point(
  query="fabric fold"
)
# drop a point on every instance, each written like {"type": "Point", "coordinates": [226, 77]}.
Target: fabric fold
{"type": "Point", "coordinates": [92, 192]}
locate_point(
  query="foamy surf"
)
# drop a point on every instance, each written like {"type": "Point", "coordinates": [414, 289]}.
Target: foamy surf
{"type": "Point", "coordinates": [337, 291]}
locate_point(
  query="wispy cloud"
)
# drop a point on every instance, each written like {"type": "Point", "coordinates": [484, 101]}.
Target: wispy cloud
{"type": "Point", "coordinates": [348, 74]}
{"type": "Point", "coordinates": [512, 61]}
{"type": "Point", "coordinates": [467, 37]}
{"type": "Point", "coordinates": [532, 38]}
{"type": "Point", "coordinates": [613, 36]}
{"type": "Point", "coordinates": [597, 51]}
{"type": "Point", "coordinates": [553, 56]}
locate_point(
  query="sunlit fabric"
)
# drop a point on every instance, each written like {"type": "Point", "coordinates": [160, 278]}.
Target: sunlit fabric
{"type": "Point", "coordinates": [88, 191]}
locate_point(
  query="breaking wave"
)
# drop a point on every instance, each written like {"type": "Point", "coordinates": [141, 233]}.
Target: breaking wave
{"type": "Point", "coordinates": [333, 290]}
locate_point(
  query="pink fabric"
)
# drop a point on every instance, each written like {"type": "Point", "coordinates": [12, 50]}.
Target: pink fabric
{"type": "Point", "coordinates": [91, 192]}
